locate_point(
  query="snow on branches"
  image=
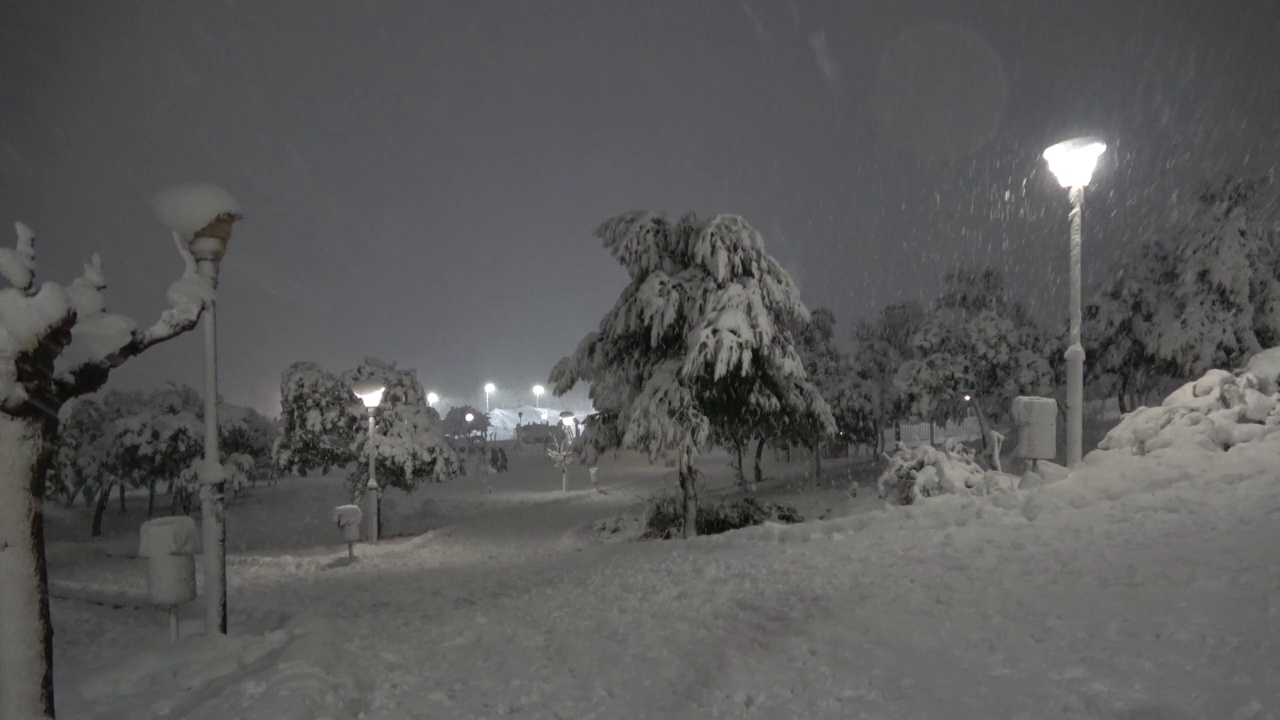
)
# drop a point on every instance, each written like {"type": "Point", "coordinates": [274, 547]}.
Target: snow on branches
{"type": "Point", "coordinates": [322, 426]}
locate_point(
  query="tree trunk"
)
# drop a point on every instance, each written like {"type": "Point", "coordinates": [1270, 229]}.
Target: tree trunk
{"type": "Point", "coordinates": [123, 509]}
{"type": "Point", "coordinates": [71, 497]}
{"type": "Point", "coordinates": [816, 465]}
{"type": "Point", "coordinates": [757, 473]}
{"type": "Point", "coordinates": [689, 490]}
{"type": "Point", "coordinates": [739, 472]}
{"type": "Point", "coordinates": [99, 509]}
{"type": "Point", "coordinates": [26, 633]}
{"type": "Point", "coordinates": [151, 498]}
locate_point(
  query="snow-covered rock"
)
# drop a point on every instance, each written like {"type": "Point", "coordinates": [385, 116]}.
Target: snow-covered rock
{"type": "Point", "coordinates": [1216, 412]}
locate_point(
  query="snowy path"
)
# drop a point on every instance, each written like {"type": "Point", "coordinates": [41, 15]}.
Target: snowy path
{"type": "Point", "coordinates": [1160, 605]}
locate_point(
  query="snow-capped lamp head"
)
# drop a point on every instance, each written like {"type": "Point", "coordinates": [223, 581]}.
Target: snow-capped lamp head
{"type": "Point", "coordinates": [200, 214]}
{"type": "Point", "coordinates": [370, 393]}
{"type": "Point", "coordinates": [1073, 161]}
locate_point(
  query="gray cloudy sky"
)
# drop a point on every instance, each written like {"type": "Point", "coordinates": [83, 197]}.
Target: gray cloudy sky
{"type": "Point", "coordinates": [421, 180]}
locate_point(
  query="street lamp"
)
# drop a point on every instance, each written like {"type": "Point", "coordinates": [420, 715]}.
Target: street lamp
{"type": "Point", "coordinates": [537, 396]}
{"type": "Point", "coordinates": [1073, 162]}
{"type": "Point", "coordinates": [370, 393]}
{"type": "Point", "coordinates": [201, 217]}
{"type": "Point", "coordinates": [432, 399]}
{"type": "Point", "coordinates": [489, 389]}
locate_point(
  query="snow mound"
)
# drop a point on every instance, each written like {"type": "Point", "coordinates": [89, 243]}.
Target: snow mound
{"type": "Point", "coordinates": [925, 471]}
{"type": "Point", "coordinates": [1217, 412]}
{"type": "Point", "coordinates": [1266, 367]}
{"type": "Point", "coordinates": [188, 208]}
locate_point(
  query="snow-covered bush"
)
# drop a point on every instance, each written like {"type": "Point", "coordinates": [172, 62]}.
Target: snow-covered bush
{"type": "Point", "coordinates": [926, 471]}
{"type": "Point", "coordinates": [664, 519]}
{"type": "Point", "coordinates": [1216, 412]}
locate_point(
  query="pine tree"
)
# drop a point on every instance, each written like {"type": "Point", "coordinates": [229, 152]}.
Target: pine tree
{"type": "Point", "coordinates": [701, 328]}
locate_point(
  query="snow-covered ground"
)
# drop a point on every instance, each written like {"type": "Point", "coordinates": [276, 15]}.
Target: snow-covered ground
{"type": "Point", "coordinates": [1140, 587]}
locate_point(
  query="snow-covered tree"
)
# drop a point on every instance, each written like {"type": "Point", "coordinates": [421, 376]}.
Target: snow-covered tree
{"type": "Point", "coordinates": [318, 421]}
{"type": "Point", "coordinates": [975, 342]}
{"type": "Point", "coordinates": [846, 391]}
{"type": "Point", "coordinates": [456, 425]}
{"type": "Point", "coordinates": [58, 343]}
{"type": "Point", "coordinates": [1117, 327]}
{"type": "Point", "coordinates": [150, 446]}
{"type": "Point", "coordinates": [246, 436]}
{"type": "Point", "coordinates": [703, 323]}
{"type": "Point", "coordinates": [882, 346]}
{"type": "Point", "coordinates": [322, 426]}
{"type": "Point", "coordinates": [1225, 301]}
{"type": "Point", "coordinates": [81, 450]}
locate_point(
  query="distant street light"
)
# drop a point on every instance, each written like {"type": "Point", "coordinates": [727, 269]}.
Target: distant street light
{"type": "Point", "coordinates": [1073, 162]}
{"type": "Point", "coordinates": [489, 389]}
{"type": "Point", "coordinates": [182, 209]}
{"type": "Point", "coordinates": [470, 417]}
{"type": "Point", "coordinates": [537, 395]}
{"type": "Point", "coordinates": [432, 399]}
{"type": "Point", "coordinates": [370, 393]}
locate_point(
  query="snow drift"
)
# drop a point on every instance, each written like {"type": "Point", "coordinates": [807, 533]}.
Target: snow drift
{"type": "Point", "coordinates": [1217, 412]}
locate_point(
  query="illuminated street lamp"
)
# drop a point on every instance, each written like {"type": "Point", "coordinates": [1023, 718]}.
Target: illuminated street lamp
{"type": "Point", "coordinates": [370, 393]}
{"type": "Point", "coordinates": [489, 389]}
{"type": "Point", "coordinates": [537, 395]}
{"type": "Point", "coordinates": [1073, 162]}
{"type": "Point", "coordinates": [432, 399]}
{"type": "Point", "coordinates": [201, 217]}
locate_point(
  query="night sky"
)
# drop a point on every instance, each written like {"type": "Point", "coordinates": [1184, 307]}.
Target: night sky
{"type": "Point", "coordinates": [420, 181]}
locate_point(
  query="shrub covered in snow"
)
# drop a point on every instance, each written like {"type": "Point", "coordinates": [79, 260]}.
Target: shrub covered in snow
{"type": "Point", "coordinates": [925, 471]}
{"type": "Point", "coordinates": [1216, 412]}
{"type": "Point", "coordinates": [665, 518]}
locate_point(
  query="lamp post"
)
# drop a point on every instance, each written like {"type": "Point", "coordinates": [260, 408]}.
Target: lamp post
{"type": "Point", "coordinates": [1073, 162]}
{"type": "Point", "coordinates": [537, 396]}
{"type": "Point", "coordinates": [370, 393]}
{"type": "Point", "coordinates": [489, 389]}
{"type": "Point", "coordinates": [432, 399]}
{"type": "Point", "coordinates": [201, 217]}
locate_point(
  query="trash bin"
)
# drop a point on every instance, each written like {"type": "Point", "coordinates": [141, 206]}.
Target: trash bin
{"type": "Point", "coordinates": [348, 518]}
{"type": "Point", "coordinates": [1037, 421]}
{"type": "Point", "coordinates": [170, 545]}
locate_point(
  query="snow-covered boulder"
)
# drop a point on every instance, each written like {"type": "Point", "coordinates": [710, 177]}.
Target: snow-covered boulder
{"type": "Point", "coordinates": [1216, 412]}
{"type": "Point", "coordinates": [926, 471]}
